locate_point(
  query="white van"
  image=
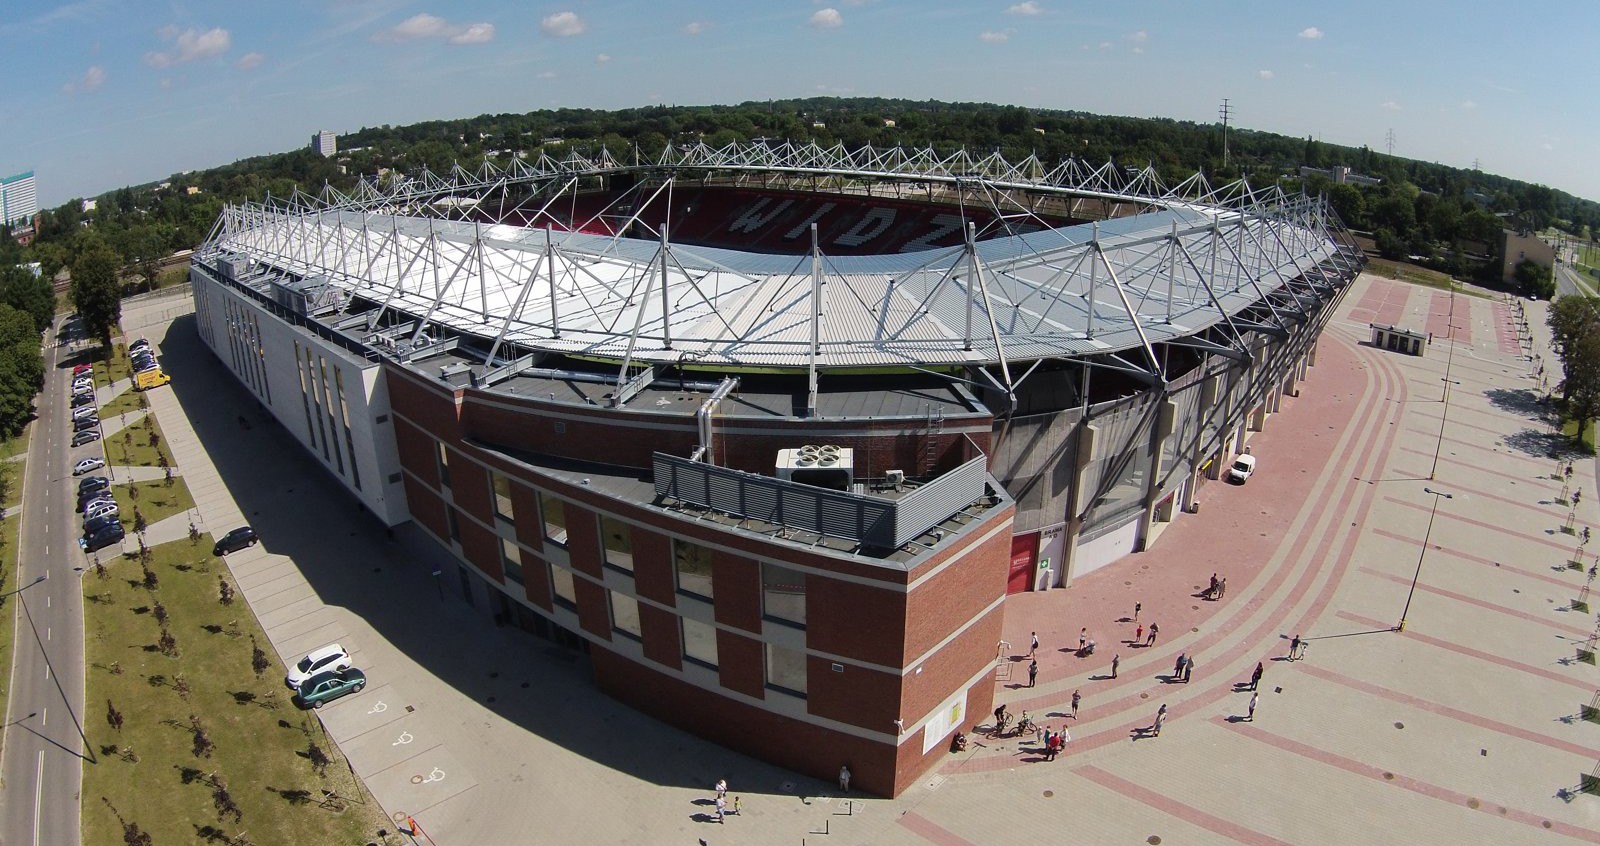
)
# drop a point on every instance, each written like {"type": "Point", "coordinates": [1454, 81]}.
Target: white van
{"type": "Point", "coordinates": [1242, 467]}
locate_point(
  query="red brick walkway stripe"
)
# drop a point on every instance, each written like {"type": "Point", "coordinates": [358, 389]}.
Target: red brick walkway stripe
{"type": "Point", "coordinates": [1475, 559]}
{"type": "Point", "coordinates": [1457, 714]}
{"type": "Point", "coordinates": [1431, 434]}
{"type": "Point", "coordinates": [1469, 651]}
{"type": "Point", "coordinates": [1480, 603]}
{"type": "Point", "coordinates": [1172, 807]}
{"type": "Point", "coordinates": [1422, 788]}
{"type": "Point", "coordinates": [931, 831]}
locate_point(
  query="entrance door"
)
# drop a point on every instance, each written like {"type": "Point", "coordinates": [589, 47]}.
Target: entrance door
{"type": "Point", "coordinates": [1023, 550]}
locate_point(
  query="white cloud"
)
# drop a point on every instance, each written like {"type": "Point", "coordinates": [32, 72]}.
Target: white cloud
{"type": "Point", "coordinates": [1265, 74]}
{"type": "Point", "coordinates": [1311, 33]}
{"type": "Point", "coordinates": [92, 78]}
{"type": "Point", "coordinates": [602, 58]}
{"type": "Point", "coordinates": [563, 25]}
{"type": "Point", "coordinates": [189, 45]}
{"type": "Point", "coordinates": [1029, 8]}
{"type": "Point", "coordinates": [478, 33]}
{"type": "Point", "coordinates": [1105, 45]}
{"type": "Point", "coordinates": [1390, 105]}
{"type": "Point", "coordinates": [250, 61]}
{"type": "Point", "coordinates": [695, 27]}
{"type": "Point", "coordinates": [994, 37]}
{"type": "Point", "coordinates": [424, 25]}
{"type": "Point", "coordinates": [546, 75]}
{"type": "Point", "coordinates": [828, 18]}
{"type": "Point", "coordinates": [1139, 37]}
{"type": "Point", "coordinates": [1469, 104]}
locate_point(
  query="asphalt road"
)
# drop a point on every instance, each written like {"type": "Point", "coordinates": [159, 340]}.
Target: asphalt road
{"type": "Point", "coordinates": [44, 746]}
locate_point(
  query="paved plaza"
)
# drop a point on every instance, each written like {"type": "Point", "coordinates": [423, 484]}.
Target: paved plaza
{"type": "Point", "coordinates": [1463, 727]}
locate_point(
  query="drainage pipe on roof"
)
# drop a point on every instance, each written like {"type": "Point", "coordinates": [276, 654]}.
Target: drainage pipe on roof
{"type": "Point", "coordinates": [703, 419]}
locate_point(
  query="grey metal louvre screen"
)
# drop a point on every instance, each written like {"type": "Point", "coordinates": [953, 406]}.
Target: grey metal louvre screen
{"type": "Point", "coordinates": [933, 503]}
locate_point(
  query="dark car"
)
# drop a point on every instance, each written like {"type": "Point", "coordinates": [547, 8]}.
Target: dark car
{"type": "Point", "coordinates": [101, 495]}
{"type": "Point", "coordinates": [87, 436]}
{"type": "Point", "coordinates": [98, 523]}
{"type": "Point", "coordinates": [81, 400]}
{"type": "Point", "coordinates": [103, 538]}
{"type": "Point", "coordinates": [235, 540]}
{"type": "Point", "coordinates": [92, 483]}
{"type": "Point", "coordinates": [326, 687]}
{"type": "Point", "coordinates": [86, 423]}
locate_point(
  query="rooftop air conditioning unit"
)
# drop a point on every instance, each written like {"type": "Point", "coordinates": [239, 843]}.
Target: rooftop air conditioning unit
{"type": "Point", "coordinates": [895, 478]}
{"type": "Point", "coordinates": [825, 466]}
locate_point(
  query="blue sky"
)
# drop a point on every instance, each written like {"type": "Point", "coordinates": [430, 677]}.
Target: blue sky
{"type": "Point", "coordinates": [105, 93]}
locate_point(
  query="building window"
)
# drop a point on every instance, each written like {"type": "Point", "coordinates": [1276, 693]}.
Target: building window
{"type": "Point", "coordinates": [344, 411]}
{"type": "Point", "coordinates": [786, 670]}
{"type": "Point", "coordinates": [618, 539]}
{"type": "Point", "coordinates": [561, 588]}
{"type": "Point", "coordinates": [783, 595]}
{"type": "Point", "coordinates": [555, 519]}
{"type": "Point", "coordinates": [453, 523]}
{"type": "Point", "coordinates": [511, 560]}
{"type": "Point", "coordinates": [500, 486]}
{"type": "Point", "coordinates": [444, 464]}
{"type": "Point", "coordinates": [700, 642]}
{"type": "Point", "coordinates": [625, 614]}
{"type": "Point", "coordinates": [693, 563]}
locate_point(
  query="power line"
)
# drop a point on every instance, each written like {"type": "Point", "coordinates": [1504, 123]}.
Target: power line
{"type": "Point", "coordinates": [1225, 111]}
{"type": "Point", "coordinates": [1388, 139]}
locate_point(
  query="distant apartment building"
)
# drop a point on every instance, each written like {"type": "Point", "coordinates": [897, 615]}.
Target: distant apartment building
{"type": "Point", "coordinates": [1522, 245]}
{"type": "Point", "coordinates": [1340, 174]}
{"type": "Point", "coordinates": [325, 143]}
{"type": "Point", "coordinates": [19, 201]}
{"type": "Point", "coordinates": [90, 205]}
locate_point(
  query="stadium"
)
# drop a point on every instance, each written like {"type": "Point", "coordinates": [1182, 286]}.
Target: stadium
{"type": "Point", "coordinates": [770, 432]}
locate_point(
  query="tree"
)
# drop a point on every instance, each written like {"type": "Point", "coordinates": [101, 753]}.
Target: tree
{"type": "Point", "coordinates": [258, 658]}
{"type": "Point", "coordinates": [318, 758]}
{"type": "Point", "coordinates": [224, 591]}
{"type": "Point", "coordinates": [1534, 280]}
{"type": "Point", "coordinates": [28, 293]}
{"type": "Point", "coordinates": [21, 369]}
{"type": "Point", "coordinates": [1582, 382]}
{"type": "Point", "coordinates": [96, 292]}
{"type": "Point", "coordinates": [113, 716]}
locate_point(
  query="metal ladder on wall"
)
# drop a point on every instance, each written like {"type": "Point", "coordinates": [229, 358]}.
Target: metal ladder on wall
{"type": "Point", "coordinates": [930, 450]}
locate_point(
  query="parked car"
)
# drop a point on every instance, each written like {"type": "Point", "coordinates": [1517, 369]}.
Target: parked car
{"type": "Point", "coordinates": [326, 687]}
{"type": "Point", "coordinates": [101, 495]}
{"type": "Point", "coordinates": [145, 364]}
{"type": "Point", "coordinates": [105, 508]}
{"type": "Point", "coordinates": [87, 436]}
{"type": "Point", "coordinates": [83, 399]}
{"type": "Point", "coordinates": [81, 369]}
{"type": "Point", "coordinates": [1242, 467]}
{"type": "Point", "coordinates": [83, 386]}
{"type": "Point", "coordinates": [235, 540]}
{"type": "Point", "coordinates": [113, 533]}
{"type": "Point", "coordinates": [322, 660]}
{"type": "Point", "coordinates": [139, 344]}
{"type": "Point", "coordinates": [88, 464]}
{"type": "Point", "coordinates": [81, 423]}
{"type": "Point", "coordinates": [92, 483]}
{"type": "Point", "coordinates": [98, 523]}
{"type": "Point", "coordinates": [82, 413]}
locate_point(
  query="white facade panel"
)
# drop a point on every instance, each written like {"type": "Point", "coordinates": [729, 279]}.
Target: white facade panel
{"type": "Point", "coordinates": [330, 400]}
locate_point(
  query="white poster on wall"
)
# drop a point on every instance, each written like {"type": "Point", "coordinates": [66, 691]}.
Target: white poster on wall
{"type": "Point", "coordinates": [948, 718]}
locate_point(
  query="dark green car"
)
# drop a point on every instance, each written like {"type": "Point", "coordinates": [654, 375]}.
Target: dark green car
{"type": "Point", "coordinates": [326, 687]}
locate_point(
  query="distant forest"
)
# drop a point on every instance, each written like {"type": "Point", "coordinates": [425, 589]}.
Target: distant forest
{"type": "Point", "coordinates": [1420, 209]}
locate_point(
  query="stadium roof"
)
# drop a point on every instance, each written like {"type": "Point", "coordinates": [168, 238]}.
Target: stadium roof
{"type": "Point", "coordinates": [1189, 259]}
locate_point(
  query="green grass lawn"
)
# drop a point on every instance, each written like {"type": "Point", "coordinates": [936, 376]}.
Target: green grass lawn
{"type": "Point", "coordinates": [118, 366]}
{"type": "Point", "coordinates": [1570, 428]}
{"type": "Point", "coordinates": [156, 501]}
{"type": "Point", "coordinates": [131, 446]}
{"type": "Point", "coordinates": [1419, 276]}
{"type": "Point", "coordinates": [148, 773]}
{"type": "Point", "coordinates": [17, 445]}
{"type": "Point", "coordinates": [127, 402]}
{"type": "Point", "coordinates": [9, 528]}
{"type": "Point", "coordinates": [11, 472]}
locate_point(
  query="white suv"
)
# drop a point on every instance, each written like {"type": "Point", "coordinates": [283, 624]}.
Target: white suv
{"type": "Point", "coordinates": [327, 659]}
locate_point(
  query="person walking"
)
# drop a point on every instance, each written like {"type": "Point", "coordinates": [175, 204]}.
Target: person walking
{"type": "Point", "coordinates": [1033, 672]}
{"type": "Point", "coordinates": [722, 788]}
{"type": "Point", "coordinates": [1115, 660]}
{"type": "Point", "coordinates": [1222, 588]}
{"type": "Point", "coordinates": [1211, 591]}
{"type": "Point", "coordinates": [1177, 667]}
{"type": "Point", "coordinates": [1138, 633]}
{"type": "Point", "coordinates": [1251, 714]}
{"type": "Point", "coordinates": [844, 778]}
{"type": "Point", "coordinates": [1294, 647]}
{"type": "Point", "coordinates": [1188, 668]}
{"type": "Point", "coordinates": [1161, 717]}
{"type": "Point", "coordinates": [1083, 638]}
{"type": "Point", "coordinates": [1137, 607]}
{"type": "Point", "coordinates": [1076, 698]}
{"type": "Point", "coordinates": [722, 810]}
{"type": "Point", "coordinates": [1255, 675]}
{"type": "Point", "coordinates": [1035, 647]}
{"type": "Point", "coordinates": [1150, 639]}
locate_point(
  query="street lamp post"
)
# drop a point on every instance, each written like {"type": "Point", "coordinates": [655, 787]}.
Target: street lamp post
{"type": "Point", "coordinates": [1449, 359]}
{"type": "Point", "coordinates": [1426, 536]}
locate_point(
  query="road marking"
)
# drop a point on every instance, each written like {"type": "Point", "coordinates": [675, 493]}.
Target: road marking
{"type": "Point", "coordinates": [48, 633]}
{"type": "Point", "coordinates": [38, 797]}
